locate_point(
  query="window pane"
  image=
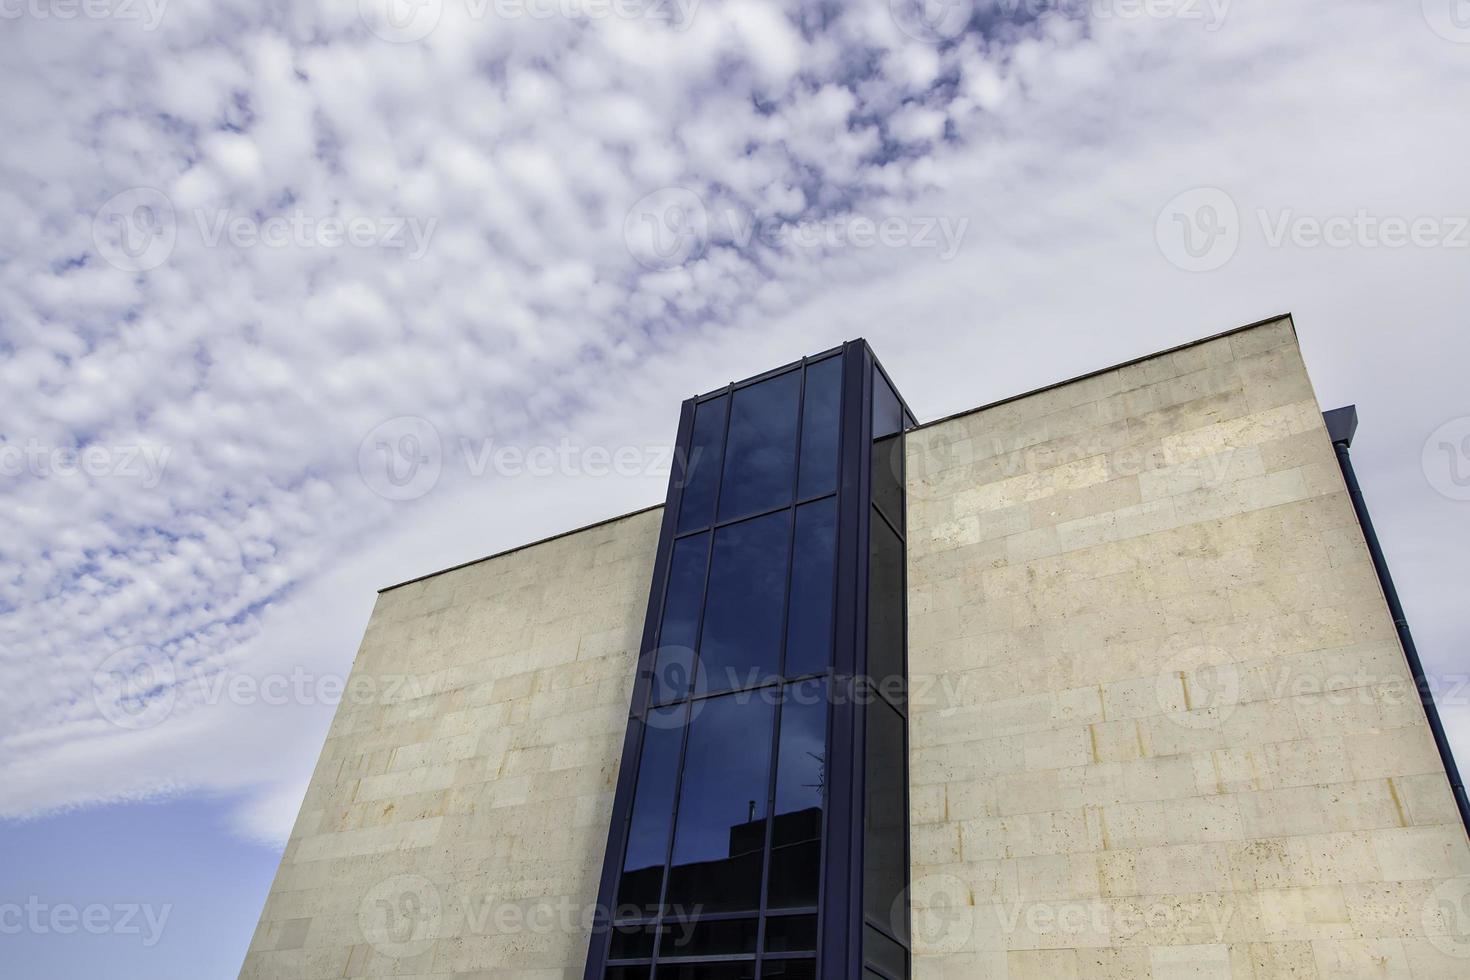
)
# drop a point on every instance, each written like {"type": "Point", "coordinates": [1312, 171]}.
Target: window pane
{"type": "Point", "coordinates": [760, 466]}
{"type": "Point", "coordinates": [721, 831]}
{"type": "Point", "coordinates": [789, 969]}
{"type": "Point", "coordinates": [885, 610]}
{"type": "Point", "coordinates": [820, 427]}
{"type": "Point", "coordinates": [801, 774]}
{"type": "Point", "coordinates": [887, 409]}
{"type": "Point", "coordinates": [653, 811]}
{"type": "Point", "coordinates": [725, 937]}
{"type": "Point", "coordinates": [884, 953]}
{"type": "Point", "coordinates": [885, 825]}
{"type": "Point", "coordinates": [741, 643]}
{"type": "Point", "coordinates": [627, 973]}
{"type": "Point", "coordinates": [681, 618]}
{"type": "Point", "coordinates": [791, 933]}
{"type": "Point", "coordinates": [809, 626]}
{"type": "Point", "coordinates": [888, 478]}
{"type": "Point", "coordinates": [707, 971]}
{"type": "Point", "coordinates": [697, 508]}
{"type": "Point", "coordinates": [632, 943]}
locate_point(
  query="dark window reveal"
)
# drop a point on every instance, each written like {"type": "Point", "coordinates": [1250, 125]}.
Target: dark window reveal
{"type": "Point", "coordinates": [885, 611]}
{"type": "Point", "coordinates": [885, 820]}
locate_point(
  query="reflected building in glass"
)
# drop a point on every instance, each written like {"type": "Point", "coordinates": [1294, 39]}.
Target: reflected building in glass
{"type": "Point", "coordinates": [760, 824]}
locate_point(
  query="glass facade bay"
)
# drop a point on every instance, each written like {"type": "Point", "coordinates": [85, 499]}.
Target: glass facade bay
{"type": "Point", "coordinates": [759, 825]}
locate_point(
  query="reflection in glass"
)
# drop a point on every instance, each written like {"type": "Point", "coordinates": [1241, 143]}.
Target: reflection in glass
{"type": "Point", "coordinates": [723, 937]}
{"type": "Point", "coordinates": [888, 478]}
{"type": "Point", "coordinates": [809, 625]}
{"type": "Point", "coordinates": [628, 973]}
{"type": "Point", "coordinates": [791, 934]}
{"type": "Point", "coordinates": [653, 806]}
{"type": "Point", "coordinates": [707, 971]}
{"type": "Point", "coordinates": [721, 831]}
{"type": "Point", "coordinates": [885, 610]}
{"type": "Point", "coordinates": [788, 970]}
{"type": "Point", "coordinates": [741, 643]}
{"type": "Point", "coordinates": [760, 466]}
{"type": "Point", "coordinates": [701, 476]}
{"type": "Point", "coordinates": [884, 953]}
{"type": "Point", "coordinates": [681, 618]}
{"type": "Point", "coordinates": [820, 425]}
{"type": "Point", "coordinates": [885, 829]}
{"type": "Point", "coordinates": [801, 777]}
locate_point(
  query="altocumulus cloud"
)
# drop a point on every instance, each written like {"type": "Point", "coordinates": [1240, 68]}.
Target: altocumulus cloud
{"type": "Point", "coordinates": [251, 251]}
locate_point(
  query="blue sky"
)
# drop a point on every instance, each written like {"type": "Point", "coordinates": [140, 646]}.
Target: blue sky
{"type": "Point", "coordinates": [298, 300]}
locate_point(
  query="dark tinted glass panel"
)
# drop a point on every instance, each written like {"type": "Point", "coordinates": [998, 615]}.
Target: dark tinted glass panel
{"type": "Point", "coordinates": [741, 643]}
{"type": "Point", "coordinates": [633, 942]}
{"type": "Point", "coordinates": [706, 971]}
{"type": "Point", "coordinates": [726, 937]}
{"type": "Point", "coordinates": [801, 774]}
{"type": "Point", "coordinates": [702, 472]}
{"type": "Point", "coordinates": [628, 973]}
{"type": "Point", "coordinates": [884, 953]}
{"type": "Point", "coordinates": [760, 467]}
{"type": "Point", "coordinates": [885, 830]}
{"type": "Point", "coordinates": [819, 427]}
{"type": "Point", "coordinates": [653, 811]}
{"type": "Point", "coordinates": [791, 933]}
{"type": "Point", "coordinates": [721, 832]}
{"type": "Point", "coordinates": [809, 626]}
{"type": "Point", "coordinates": [675, 664]}
{"type": "Point", "coordinates": [885, 611]}
{"type": "Point", "coordinates": [888, 478]}
{"type": "Point", "coordinates": [887, 409]}
{"type": "Point", "coordinates": [790, 969]}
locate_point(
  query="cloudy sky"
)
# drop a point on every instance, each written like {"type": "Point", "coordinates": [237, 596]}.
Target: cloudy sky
{"type": "Point", "coordinates": [301, 299]}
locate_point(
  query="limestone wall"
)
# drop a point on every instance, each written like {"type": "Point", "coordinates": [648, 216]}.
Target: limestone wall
{"type": "Point", "coordinates": [1163, 726]}
{"type": "Point", "coordinates": [456, 821]}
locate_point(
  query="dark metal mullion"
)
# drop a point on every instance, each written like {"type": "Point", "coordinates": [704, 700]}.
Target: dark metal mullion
{"type": "Point", "coordinates": [694, 664]}
{"type": "Point", "coordinates": [815, 498]}
{"type": "Point", "coordinates": [631, 762]}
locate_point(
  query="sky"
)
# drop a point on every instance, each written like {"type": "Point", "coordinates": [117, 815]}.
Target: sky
{"type": "Point", "coordinates": [299, 300]}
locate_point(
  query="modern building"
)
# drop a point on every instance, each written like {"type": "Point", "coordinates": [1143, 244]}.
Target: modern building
{"type": "Point", "coordinates": [1103, 681]}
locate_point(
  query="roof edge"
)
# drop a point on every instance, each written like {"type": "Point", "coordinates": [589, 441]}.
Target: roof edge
{"type": "Point", "coordinates": [1112, 367]}
{"type": "Point", "coordinates": [522, 547]}
{"type": "Point", "coordinates": [939, 421]}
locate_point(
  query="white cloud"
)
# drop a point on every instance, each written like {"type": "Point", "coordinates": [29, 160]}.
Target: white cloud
{"type": "Point", "coordinates": [262, 368]}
